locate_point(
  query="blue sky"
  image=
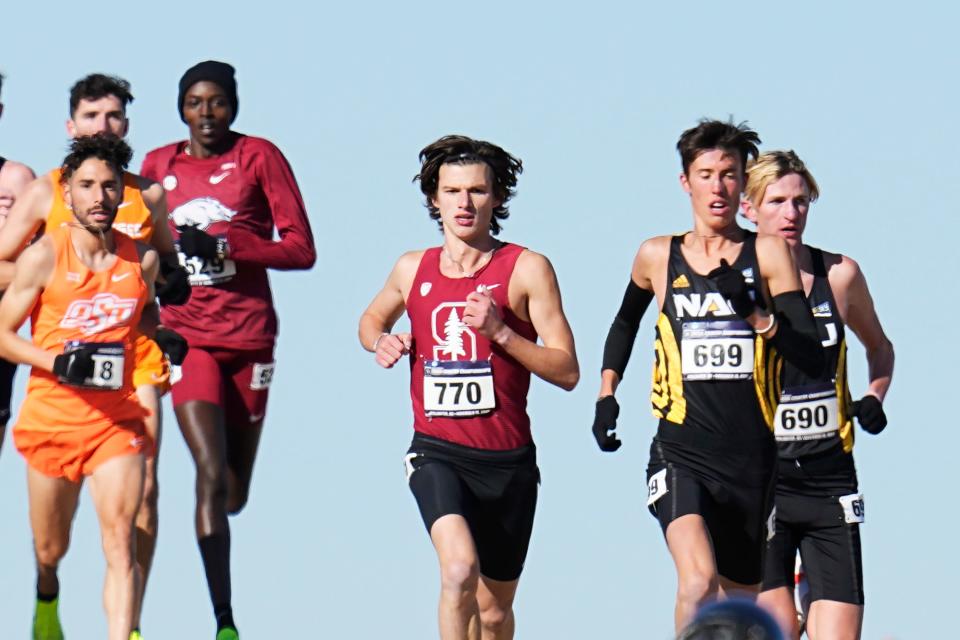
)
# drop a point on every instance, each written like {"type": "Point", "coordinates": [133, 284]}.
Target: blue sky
{"type": "Point", "coordinates": [592, 97]}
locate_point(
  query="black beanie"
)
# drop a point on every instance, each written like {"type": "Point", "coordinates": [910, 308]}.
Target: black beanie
{"type": "Point", "coordinates": [220, 73]}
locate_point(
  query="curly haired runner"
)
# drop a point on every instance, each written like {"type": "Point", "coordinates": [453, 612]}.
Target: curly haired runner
{"type": "Point", "coordinates": [86, 289]}
{"type": "Point", "coordinates": [476, 307]}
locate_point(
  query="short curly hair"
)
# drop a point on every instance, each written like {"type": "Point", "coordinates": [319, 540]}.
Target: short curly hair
{"type": "Point", "coordinates": [103, 146]}
{"type": "Point", "coordinates": [462, 150]}
{"type": "Point", "coordinates": [99, 85]}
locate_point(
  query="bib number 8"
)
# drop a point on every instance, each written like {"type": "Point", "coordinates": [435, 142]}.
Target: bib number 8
{"type": "Point", "coordinates": [717, 355]}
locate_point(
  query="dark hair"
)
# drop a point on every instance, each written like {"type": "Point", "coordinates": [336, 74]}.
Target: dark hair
{"type": "Point", "coordinates": [1, 82]}
{"type": "Point", "coordinates": [103, 146]}
{"type": "Point", "coordinates": [714, 134]}
{"type": "Point", "coordinates": [463, 151]}
{"type": "Point", "coordinates": [735, 619]}
{"type": "Point", "coordinates": [98, 85]}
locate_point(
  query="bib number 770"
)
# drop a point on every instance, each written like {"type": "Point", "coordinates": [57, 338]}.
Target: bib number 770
{"type": "Point", "coordinates": [458, 388]}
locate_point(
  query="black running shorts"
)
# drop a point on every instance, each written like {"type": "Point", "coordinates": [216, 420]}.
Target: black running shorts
{"type": "Point", "coordinates": [822, 521]}
{"type": "Point", "coordinates": [495, 491]}
{"type": "Point", "coordinates": [730, 487]}
{"type": "Point", "coordinates": [7, 370]}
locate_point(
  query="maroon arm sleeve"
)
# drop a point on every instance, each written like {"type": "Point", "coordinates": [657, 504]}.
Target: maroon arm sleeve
{"type": "Point", "coordinates": [295, 249]}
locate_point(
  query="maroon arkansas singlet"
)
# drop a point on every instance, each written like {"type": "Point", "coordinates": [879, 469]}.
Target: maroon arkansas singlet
{"type": "Point", "coordinates": [466, 389]}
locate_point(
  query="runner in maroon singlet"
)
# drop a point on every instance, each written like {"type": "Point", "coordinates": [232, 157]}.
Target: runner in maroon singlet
{"type": "Point", "coordinates": [227, 193]}
{"type": "Point", "coordinates": [476, 306]}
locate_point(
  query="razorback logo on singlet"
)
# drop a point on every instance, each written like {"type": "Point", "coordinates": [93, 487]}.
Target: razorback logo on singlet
{"type": "Point", "coordinates": [453, 338]}
{"type": "Point", "coordinates": [201, 212]}
{"type": "Point", "coordinates": [102, 312]}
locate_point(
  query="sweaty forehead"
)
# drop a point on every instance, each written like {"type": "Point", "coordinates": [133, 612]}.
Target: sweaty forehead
{"type": "Point", "coordinates": [715, 157]}
{"type": "Point", "coordinates": [95, 169]}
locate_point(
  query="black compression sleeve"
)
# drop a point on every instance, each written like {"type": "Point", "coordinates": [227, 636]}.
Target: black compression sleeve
{"type": "Point", "coordinates": [623, 331]}
{"type": "Point", "coordinates": [797, 338]}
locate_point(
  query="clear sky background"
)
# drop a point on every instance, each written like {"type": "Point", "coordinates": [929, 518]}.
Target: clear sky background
{"type": "Point", "coordinates": [592, 96]}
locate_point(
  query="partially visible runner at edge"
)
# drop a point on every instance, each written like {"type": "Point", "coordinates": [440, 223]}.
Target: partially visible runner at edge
{"type": "Point", "coordinates": [14, 177]}
{"type": "Point", "coordinates": [227, 192]}
{"type": "Point", "coordinates": [98, 104]}
{"type": "Point", "coordinates": [477, 306]}
{"type": "Point", "coordinates": [819, 504]}
{"type": "Point", "coordinates": [725, 295]}
{"type": "Point", "coordinates": [89, 292]}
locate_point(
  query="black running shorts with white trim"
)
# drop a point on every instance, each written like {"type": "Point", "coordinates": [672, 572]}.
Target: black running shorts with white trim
{"type": "Point", "coordinates": [812, 518]}
{"type": "Point", "coordinates": [495, 491]}
{"type": "Point", "coordinates": [731, 487]}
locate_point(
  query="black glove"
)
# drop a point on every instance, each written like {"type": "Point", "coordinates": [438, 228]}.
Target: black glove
{"type": "Point", "coordinates": [176, 286]}
{"type": "Point", "coordinates": [733, 287]}
{"type": "Point", "coordinates": [172, 343]}
{"type": "Point", "coordinates": [605, 423]}
{"type": "Point", "coordinates": [196, 242]}
{"type": "Point", "coordinates": [869, 411]}
{"type": "Point", "coordinates": [75, 367]}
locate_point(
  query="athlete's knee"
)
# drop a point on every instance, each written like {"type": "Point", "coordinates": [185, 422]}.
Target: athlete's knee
{"type": "Point", "coordinates": [118, 543]}
{"type": "Point", "coordinates": [459, 577]}
{"type": "Point", "coordinates": [50, 550]}
{"type": "Point", "coordinates": [211, 483]}
{"type": "Point", "coordinates": [697, 586]}
{"type": "Point", "coordinates": [495, 618]}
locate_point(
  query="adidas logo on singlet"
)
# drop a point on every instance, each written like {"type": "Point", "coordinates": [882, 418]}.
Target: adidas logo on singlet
{"type": "Point", "coordinates": [680, 282]}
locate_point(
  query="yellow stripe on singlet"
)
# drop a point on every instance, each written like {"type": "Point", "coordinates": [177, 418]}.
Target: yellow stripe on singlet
{"type": "Point", "coordinates": [666, 394]}
{"type": "Point", "coordinates": [843, 399]}
{"type": "Point", "coordinates": [767, 366]}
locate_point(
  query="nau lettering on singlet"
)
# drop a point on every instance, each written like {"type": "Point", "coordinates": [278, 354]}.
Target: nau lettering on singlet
{"type": "Point", "coordinates": [808, 412]}
{"type": "Point", "coordinates": [97, 314]}
{"type": "Point", "coordinates": [455, 383]}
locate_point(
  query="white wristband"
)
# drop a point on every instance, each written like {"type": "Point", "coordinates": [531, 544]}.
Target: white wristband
{"type": "Point", "coordinates": [773, 321]}
{"type": "Point", "coordinates": [377, 341]}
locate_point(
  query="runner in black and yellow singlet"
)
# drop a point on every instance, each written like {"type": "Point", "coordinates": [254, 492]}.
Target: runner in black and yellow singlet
{"type": "Point", "coordinates": [819, 507]}
{"type": "Point", "coordinates": [712, 461]}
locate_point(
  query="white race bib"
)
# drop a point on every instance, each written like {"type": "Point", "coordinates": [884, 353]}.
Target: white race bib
{"type": "Point", "coordinates": [717, 350]}
{"type": "Point", "coordinates": [458, 388]}
{"type": "Point", "coordinates": [656, 486]}
{"type": "Point", "coordinates": [108, 360]}
{"type": "Point", "coordinates": [853, 509]}
{"type": "Point", "coordinates": [205, 273]}
{"type": "Point", "coordinates": [262, 375]}
{"type": "Point", "coordinates": [807, 413]}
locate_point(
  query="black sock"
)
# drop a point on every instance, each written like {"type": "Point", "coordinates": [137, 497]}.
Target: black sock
{"type": "Point", "coordinates": [224, 614]}
{"type": "Point", "coordinates": [44, 597]}
{"type": "Point", "coordinates": [215, 551]}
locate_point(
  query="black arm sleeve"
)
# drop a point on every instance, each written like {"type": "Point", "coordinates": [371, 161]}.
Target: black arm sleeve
{"type": "Point", "coordinates": [623, 331]}
{"type": "Point", "coordinates": [796, 338]}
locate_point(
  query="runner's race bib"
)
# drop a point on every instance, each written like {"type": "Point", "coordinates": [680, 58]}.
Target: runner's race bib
{"type": "Point", "coordinates": [204, 273]}
{"type": "Point", "coordinates": [262, 375]}
{"type": "Point", "coordinates": [458, 388]}
{"type": "Point", "coordinates": [717, 350]}
{"type": "Point", "coordinates": [656, 486]}
{"type": "Point", "coordinates": [853, 508]}
{"type": "Point", "coordinates": [108, 363]}
{"type": "Point", "coordinates": [807, 413]}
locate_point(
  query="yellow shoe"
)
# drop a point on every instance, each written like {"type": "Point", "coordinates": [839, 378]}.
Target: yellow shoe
{"type": "Point", "coordinates": [46, 621]}
{"type": "Point", "coordinates": [135, 635]}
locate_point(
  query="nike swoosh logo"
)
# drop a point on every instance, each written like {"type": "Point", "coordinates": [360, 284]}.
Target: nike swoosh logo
{"type": "Point", "coordinates": [118, 278]}
{"type": "Point", "coordinates": [124, 204]}
{"type": "Point", "coordinates": [219, 178]}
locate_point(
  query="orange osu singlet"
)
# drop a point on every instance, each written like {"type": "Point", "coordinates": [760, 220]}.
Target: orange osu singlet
{"type": "Point", "coordinates": [133, 216]}
{"type": "Point", "coordinates": [78, 304]}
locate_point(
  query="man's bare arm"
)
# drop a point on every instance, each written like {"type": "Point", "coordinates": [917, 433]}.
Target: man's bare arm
{"type": "Point", "coordinates": [556, 360]}
{"type": "Point", "coordinates": [27, 215]}
{"type": "Point", "coordinates": [149, 268]}
{"type": "Point", "coordinates": [33, 270]}
{"type": "Point", "coordinates": [156, 200]}
{"type": "Point", "coordinates": [384, 311]}
{"type": "Point", "coordinates": [861, 317]}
